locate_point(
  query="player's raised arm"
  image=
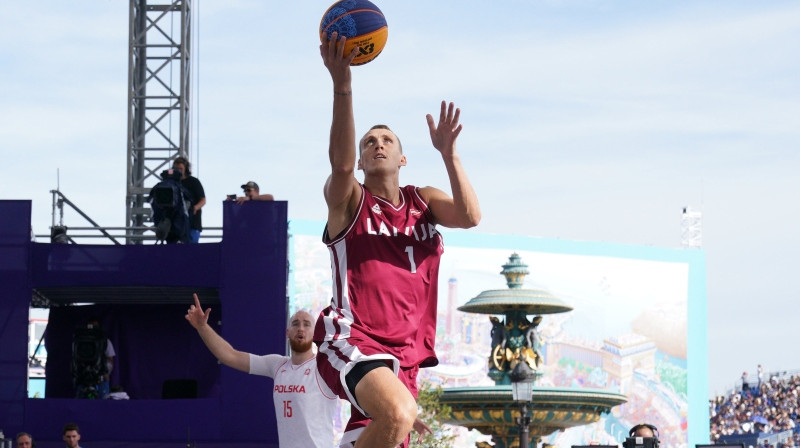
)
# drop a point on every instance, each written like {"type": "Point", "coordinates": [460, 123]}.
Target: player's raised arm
{"type": "Point", "coordinates": [218, 346]}
{"type": "Point", "coordinates": [341, 184]}
{"type": "Point", "coordinates": [462, 210]}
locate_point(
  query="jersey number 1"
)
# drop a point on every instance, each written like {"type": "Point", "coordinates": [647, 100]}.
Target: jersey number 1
{"type": "Point", "coordinates": [410, 252]}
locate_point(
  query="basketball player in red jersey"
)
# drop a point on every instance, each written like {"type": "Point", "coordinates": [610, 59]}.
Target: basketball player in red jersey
{"type": "Point", "coordinates": [385, 250]}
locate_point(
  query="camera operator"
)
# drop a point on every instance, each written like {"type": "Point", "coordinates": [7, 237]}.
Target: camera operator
{"type": "Point", "coordinates": [643, 435]}
{"type": "Point", "coordinates": [109, 354]}
{"type": "Point", "coordinates": [92, 360]}
{"type": "Point", "coordinates": [197, 195]}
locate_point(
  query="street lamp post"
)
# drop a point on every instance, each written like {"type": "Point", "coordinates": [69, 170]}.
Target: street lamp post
{"type": "Point", "coordinates": [524, 422]}
{"type": "Point", "coordinates": [522, 391]}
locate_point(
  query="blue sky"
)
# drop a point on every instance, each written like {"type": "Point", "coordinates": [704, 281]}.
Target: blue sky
{"type": "Point", "coordinates": [590, 120]}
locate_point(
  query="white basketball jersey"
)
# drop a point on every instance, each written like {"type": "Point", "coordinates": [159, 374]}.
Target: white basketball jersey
{"type": "Point", "coordinates": [304, 405]}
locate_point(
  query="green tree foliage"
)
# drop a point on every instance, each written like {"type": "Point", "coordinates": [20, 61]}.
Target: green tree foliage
{"type": "Point", "coordinates": [432, 412]}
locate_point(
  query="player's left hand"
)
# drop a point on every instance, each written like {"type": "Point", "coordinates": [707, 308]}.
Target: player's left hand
{"type": "Point", "coordinates": [195, 314]}
{"type": "Point", "coordinates": [444, 133]}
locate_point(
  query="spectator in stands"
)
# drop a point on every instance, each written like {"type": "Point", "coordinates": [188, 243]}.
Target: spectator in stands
{"type": "Point", "coordinates": [745, 386]}
{"type": "Point", "coordinates": [771, 409]}
{"type": "Point", "coordinates": [71, 435]}
{"type": "Point", "coordinates": [760, 376]}
{"type": "Point", "coordinates": [198, 197]}
{"type": "Point", "coordinates": [24, 440]}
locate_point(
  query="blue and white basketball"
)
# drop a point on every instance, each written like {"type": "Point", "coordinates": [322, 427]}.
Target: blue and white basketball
{"type": "Point", "coordinates": [361, 22]}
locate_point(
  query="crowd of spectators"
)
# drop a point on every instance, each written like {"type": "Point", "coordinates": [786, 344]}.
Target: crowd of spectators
{"type": "Point", "coordinates": [759, 408]}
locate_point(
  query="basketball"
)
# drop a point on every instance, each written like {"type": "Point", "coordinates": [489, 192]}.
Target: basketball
{"type": "Point", "coordinates": [361, 22]}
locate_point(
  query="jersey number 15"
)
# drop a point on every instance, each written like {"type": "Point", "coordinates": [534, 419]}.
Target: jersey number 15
{"type": "Point", "coordinates": [287, 408]}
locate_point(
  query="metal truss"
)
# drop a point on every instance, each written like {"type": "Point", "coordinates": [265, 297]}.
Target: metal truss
{"type": "Point", "coordinates": [159, 81]}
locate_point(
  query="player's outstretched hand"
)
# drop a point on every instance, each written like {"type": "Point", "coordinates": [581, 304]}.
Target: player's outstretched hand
{"type": "Point", "coordinates": [445, 133]}
{"type": "Point", "coordinates": [196, 316]}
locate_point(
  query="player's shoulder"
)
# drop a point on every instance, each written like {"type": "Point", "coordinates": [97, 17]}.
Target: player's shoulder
{"type": "Point", "coordinates": [430, 197]}
{"type": "Point", "coordinates": [267, 363]}
{"type": "Point", "coordinates": [429, 193]}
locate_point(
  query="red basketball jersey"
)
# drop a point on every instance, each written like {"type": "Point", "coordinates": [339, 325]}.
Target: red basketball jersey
{"type": "Point", "coordinates": [385, 268]}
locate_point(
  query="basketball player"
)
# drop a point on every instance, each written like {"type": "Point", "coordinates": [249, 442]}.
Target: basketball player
{"type": "Point", "coordinates": [385, 250]}
{"type": "Point", "coordinates": [304, 406]}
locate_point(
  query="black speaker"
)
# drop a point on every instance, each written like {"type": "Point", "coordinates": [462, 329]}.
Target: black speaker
{"type": "Point", "coordinates": [58, 235]}
{"type": "Point", "coordinates": [179, 388]}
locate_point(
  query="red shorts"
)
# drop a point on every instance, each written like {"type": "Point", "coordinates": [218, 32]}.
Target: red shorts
{"type": "Point", "coordinates": [336, 358]}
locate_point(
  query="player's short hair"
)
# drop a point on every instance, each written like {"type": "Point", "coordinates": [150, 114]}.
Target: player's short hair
{"type": "Point", "coordinates": [378, 126]}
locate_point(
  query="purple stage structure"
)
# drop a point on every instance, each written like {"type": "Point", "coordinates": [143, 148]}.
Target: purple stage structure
{"type": "Point", "coordinates": [141, 293]}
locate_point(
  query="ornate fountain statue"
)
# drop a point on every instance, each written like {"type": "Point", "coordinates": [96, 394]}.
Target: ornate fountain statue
{"type": "Point", "coordinates": [507, 352]}
{"type": "Point", "coordinates": [516, 339]}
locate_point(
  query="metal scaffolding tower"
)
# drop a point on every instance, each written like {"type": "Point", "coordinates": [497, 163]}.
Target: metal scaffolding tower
{"type": "Point", "coordinates": [159, 80]}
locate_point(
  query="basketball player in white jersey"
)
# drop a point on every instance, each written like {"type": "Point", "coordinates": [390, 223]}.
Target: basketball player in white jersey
{"type": "Point", "coordinates": [380, 327]}
{"type": "Point", "coordinates": [304, 405]}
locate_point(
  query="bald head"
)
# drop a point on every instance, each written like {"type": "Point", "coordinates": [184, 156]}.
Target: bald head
{"type": "Point", "coordinates": [301, 315]}
{"type": "Point", "coordinates": [300, 331]}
